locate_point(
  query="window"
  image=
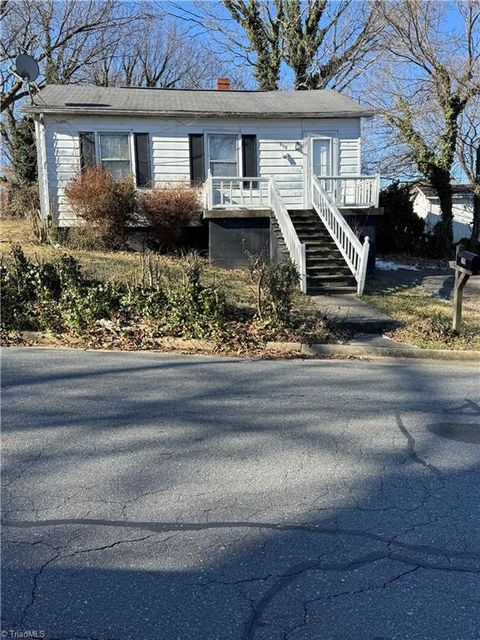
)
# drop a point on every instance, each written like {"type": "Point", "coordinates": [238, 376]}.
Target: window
{"type": "Point", "coordinates": [223, 157]}
{"type": "Point", "coordinates": [322, 156]}
{"type": "Point", "coordinates": [115, 154]}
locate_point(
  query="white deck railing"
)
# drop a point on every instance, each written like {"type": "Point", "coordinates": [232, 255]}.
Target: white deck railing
{"type": "Point", "coordinates": [296, 249]}
{"type": "Point", "coordinates": [355, 254]}
{"type": "Point", "coordinates": [233, 192]}
{"type": "Point", "coordinates": [353, 192]}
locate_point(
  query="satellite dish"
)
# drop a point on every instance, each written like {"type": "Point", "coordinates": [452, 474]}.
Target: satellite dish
{"type": "Point", "coordinates": [27, 67]}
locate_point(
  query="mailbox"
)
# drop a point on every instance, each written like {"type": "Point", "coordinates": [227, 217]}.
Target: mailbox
{"type": "Point", "coordinates": [469, 261]}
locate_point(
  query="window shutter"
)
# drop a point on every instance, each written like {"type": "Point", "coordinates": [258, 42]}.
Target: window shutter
{"type": "Point", "coordinates": [87, 150]}
{"type": "Point", "coordinates": [249, 158]}
{"type": "Point", "coordinates": [197, 158]}
{"type": "Point", "coordinates": [142, 160]}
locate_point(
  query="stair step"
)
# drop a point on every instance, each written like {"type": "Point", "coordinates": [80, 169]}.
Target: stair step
{"type": "Point", "coordinates": [328, 270]}
{"type": "Point", "coordinates": [320, 260]}
{"type": "Point", "coordinates": [320, 243]}
{"type": "Point", "coordinates": [312, 231]}
{"type": "Point", "coordinates": [303, 215]}
{"type": "Point", "coordinates": [312, 234]}
{"type": "Point", "coordinates": [302, 222]}
{"type": "Point", "coordinates": [330, 277]}
{"type": "Point", "coordinates": [312, 291]}
{"type": "Point", "coordinates": [323, 251]}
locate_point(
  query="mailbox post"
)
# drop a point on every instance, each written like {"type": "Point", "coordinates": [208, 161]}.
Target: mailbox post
{"type": "Point", "coordinates": [466, 264]}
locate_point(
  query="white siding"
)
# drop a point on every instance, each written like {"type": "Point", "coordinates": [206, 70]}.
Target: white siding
{"type": "Point", "coordinates": [462, 209]}
{"type": "Point", "coordinates": [277, 153]}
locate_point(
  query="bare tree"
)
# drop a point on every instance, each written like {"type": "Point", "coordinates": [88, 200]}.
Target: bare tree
{"type": "Point", "coordinates": [262, 28]}
{"type": "Point", "coordinates": [325, 43]}
{"type": "Point", "coordinates": [161, 54]}
{"type": "Point", "coordinates": [64, 37]}
{"type": "Point", "coordinates": [468, 149]}
{"type": "Point", "coordinates": [426, 83]}
{"type": "Point", "coordinates": [329, 44]}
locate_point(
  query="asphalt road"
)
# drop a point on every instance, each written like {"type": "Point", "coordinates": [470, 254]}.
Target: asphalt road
{"type": "Point", "coordinates": [187, 498]}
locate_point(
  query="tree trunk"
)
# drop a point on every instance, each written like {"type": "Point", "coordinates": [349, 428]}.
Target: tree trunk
{"type": "Point", "coordinates": [444, 228]}
{"type": "Point", "coordinates": [475, 237]}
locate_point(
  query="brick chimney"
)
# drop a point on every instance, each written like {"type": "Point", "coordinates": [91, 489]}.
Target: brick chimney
{"type": "Point", "coordinates": [223, 84]}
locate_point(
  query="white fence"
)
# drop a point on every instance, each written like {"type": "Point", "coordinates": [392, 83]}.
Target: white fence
{"type": "Point", "coordinates": [355, 254]}
{"type": "Point", "coordinates": [295, 248]}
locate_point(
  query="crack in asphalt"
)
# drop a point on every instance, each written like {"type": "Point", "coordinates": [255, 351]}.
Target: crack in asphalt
{"type": "Point", "coordinates": [283, 580]}
{"type": "Point", "coordinates": [168, 527]}
{"type": "Point", "coordinates": [259, 607]}
{"type": "Point", "coordinates": [23, 469]}
{"type": "Point", "coordinates": [60, 556]}
{"type": "Point", "coordinates": [401, 552]}
{"type": "Point", "coordinates": [307, 603]}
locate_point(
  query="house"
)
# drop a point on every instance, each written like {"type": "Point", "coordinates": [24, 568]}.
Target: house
{"type": "Point", "coordinates": [280, 170]}
{"type": "Point", "coordinates": [427, 206]}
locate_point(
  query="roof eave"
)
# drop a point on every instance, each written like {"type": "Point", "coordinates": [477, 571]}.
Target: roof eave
{"type": "Point", "coordinates": [45, 109]}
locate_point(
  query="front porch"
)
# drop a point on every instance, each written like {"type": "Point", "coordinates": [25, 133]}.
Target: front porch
{"type": "Point", "coordinates": [329, 256]}
{"type": "Point", "coordinates": [238, 193]}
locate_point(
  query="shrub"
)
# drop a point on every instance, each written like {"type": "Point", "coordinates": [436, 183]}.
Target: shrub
{"type": "Point", "coordinates": [194, 310]}
{"type": "Point", "coordinates": [105, 205]}
{"type": "Point", "coordinates": [59, 297]}
{"type": "Point", "coordinates": [24, 284]}
{"type": "Point", "coordinates": [23, 200]}
{"type": "Point", "coordinates": [399, 230]}
{"type": "Point", "coordinates": [169, 209]}
{"type": "Point", "coordinates": [276, 288]}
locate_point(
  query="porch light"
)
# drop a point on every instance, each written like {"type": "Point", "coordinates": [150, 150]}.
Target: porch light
{"type": "Point", "coordinates": [298, 146]}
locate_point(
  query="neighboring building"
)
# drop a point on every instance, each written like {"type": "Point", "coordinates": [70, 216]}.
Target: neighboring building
{"type": "Point", "coordinates": [427, 206]}
{"type": "Point", "coordinates": [279, 169]}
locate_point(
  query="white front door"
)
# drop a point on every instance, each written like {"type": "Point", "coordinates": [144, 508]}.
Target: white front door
{"type": "Point", "coordinates": [321, 162]}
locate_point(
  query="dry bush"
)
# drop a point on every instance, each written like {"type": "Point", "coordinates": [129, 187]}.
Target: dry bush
{"type": "Point", "coordinates": [169, 209]}
{"type": "Point", "coordinates": [23, 200]}
{"type": "Point", "coordinates": [4, 198]}
{"type": "Point", "coordinates": [105, 205]}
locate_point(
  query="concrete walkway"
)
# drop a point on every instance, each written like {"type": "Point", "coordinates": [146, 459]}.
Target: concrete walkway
{"type": "Point", "coordinates": [353, 312]}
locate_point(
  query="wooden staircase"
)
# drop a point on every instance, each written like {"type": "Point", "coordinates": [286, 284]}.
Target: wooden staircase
{"type": "Point", "coordinates": [327, 271]}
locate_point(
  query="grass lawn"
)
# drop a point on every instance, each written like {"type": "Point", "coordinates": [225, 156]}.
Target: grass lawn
{"type": "Point", "coordinates": [425, 321]}
{"type": "Point", "coordinates": [124, 265]}
{"type": "Point", "coordinates": [237, 285]}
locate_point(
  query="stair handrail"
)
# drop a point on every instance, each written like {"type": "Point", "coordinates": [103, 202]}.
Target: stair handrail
{"type": "Point", "coordinates": [296, 248]}
{"type": "Point", "coordinates": [353, 251]}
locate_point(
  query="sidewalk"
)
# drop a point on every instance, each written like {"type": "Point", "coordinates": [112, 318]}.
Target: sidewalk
{"type": "Point", "coordinates": [353, 312]}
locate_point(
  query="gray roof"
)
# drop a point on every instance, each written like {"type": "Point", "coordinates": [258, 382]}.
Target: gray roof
{"type": "Point", "coordinates": [466, 190]}
{"type": "Point", "coordinates": [90, 99]}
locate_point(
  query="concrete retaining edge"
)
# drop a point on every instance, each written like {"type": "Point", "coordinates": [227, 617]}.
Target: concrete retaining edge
{"type": "Point", "coordinates": [278, 348]}
{"type": "Point", "coordinates": [389, 352]}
